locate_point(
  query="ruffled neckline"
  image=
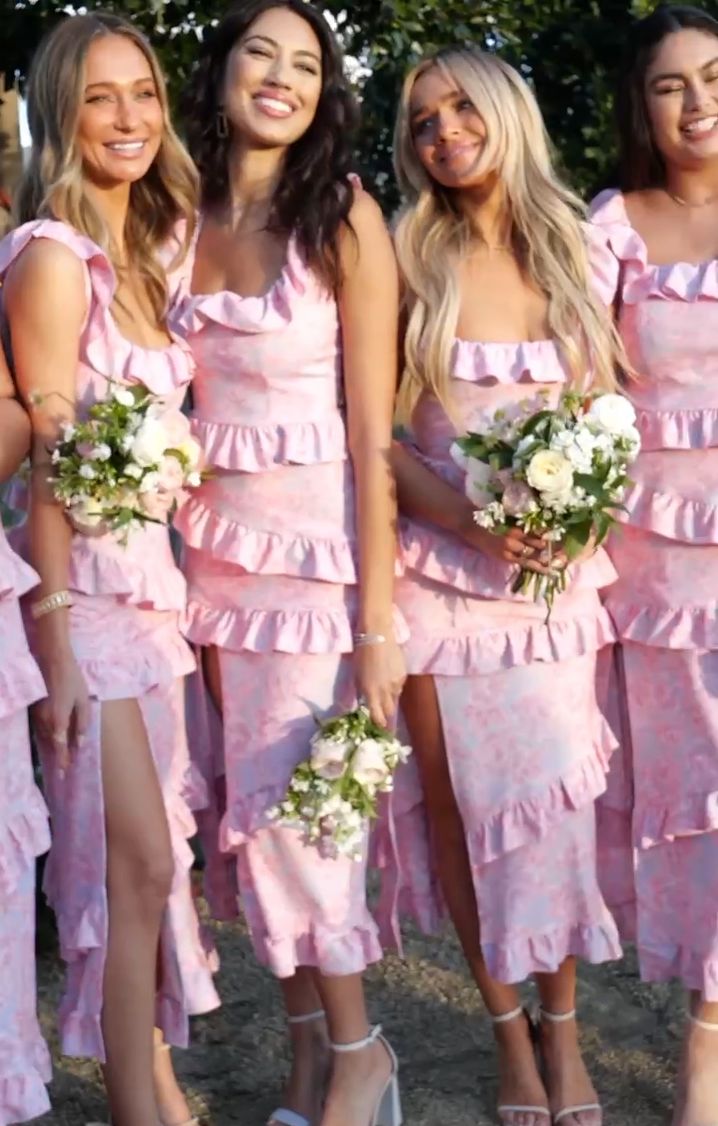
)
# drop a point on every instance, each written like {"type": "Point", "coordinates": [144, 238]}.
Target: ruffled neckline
{"type": "Point", "coordinates": [269, 312]}
{"type": "Point", "coordinates": [106, 350]}
{"type": "Point", "coordinates": [529, 361]}
{"type": "Point", "coordinates": [642, 279]}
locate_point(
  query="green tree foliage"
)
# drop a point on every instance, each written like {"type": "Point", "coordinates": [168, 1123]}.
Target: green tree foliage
{"type": "Point", "coordinates": [568, 49]}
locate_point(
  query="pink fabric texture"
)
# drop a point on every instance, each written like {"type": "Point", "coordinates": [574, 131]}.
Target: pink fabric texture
{"type": "Point", "coordinates": [126, 637]}
{"type": "Point", "coordinates": [660, 812]}
{"type": "Point", "coordinates": [528, 749]}
{"type": "Point", "coordinates": [24, 1060]}
{"type": "Point", "coordinates": [271, 563]}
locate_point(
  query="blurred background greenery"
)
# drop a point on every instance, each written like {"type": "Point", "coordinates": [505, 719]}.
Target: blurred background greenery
{"type": "Point", "coordinates": [569, 49]}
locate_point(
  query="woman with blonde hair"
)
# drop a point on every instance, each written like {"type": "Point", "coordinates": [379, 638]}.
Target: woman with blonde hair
{"type": "Point", "coordinates": [500, 704]}
{"type": "Point", "coordinates": [85, 304]}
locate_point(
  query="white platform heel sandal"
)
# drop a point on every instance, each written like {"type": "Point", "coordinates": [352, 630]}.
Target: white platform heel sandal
{"type": "Point", "coordinates": [594, 1109]}
{"type": "Point", "coordinates": [506, 1112]}
{"type": "Point", "coordinates": [282, 1116]}
{"type": "Point", "coordinates": [388, 1109]}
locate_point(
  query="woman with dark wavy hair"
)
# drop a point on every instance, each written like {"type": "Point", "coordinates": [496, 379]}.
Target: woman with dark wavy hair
{"type": "Point", "coordinates": [659, 817]}
{"type": "Point", "coordinates": [290, 305]}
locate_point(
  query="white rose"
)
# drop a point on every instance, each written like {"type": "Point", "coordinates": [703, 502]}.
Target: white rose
{"type": "Point", "coordinates": [134, 471]}
{"type": "Point", "coordinates": [86, 514]}
{"type": "Point", "coordinates": [150, 483]}
{"type": "Point", "coordinates": [549, 472]}
{"type": "Point", "coordinates": [101, 452]}
{"type": "Point", "coordinates": [150, 442]}
{"type": "Point", "coordinates": [87, 472]}
{"type": "Point", "coordinates": [329, 756]}
{"type": "Point", "coordinates": [613, 413]}
{"type": "Point", "coordinates": [458, 456]}
{"type": "Point", "coordinates": [369, 765]}
{"type": "Point", "coordinates": [124, 397]}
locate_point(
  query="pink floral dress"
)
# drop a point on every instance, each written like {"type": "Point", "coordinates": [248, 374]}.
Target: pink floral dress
{"type": "Point", "coordinates": [527, 746]}
{"type": "Point", "coordinates": [271, 567]}
{"type": "Point", "coordinates": [659, 818]}
{"type": "Point", "coordinates": [24, 835]}
{"type": "Point", "coordinates": [125, 633]}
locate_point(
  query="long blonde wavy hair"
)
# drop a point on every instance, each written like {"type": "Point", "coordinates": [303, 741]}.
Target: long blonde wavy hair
{"type": "Point", "coordinates": [54, 185]}
{"type": "Point", "coordinates": [433, 234]}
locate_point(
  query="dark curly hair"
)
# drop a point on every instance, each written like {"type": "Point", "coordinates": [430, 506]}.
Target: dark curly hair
{"type": "Point", "coordinates": [640, 163]}
{"type": "Point", "coordinates": [315, 193]}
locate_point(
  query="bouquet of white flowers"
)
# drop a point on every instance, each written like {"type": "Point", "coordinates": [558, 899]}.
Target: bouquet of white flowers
{"type": "Point", "coordinates": [559, 474]}
{"type": "Point", "coordinates": [126, 463]}
{"type": "Point", "coordinates": [334, 793]}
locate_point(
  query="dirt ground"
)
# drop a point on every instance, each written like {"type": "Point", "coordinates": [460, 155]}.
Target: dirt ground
{"type": "Point", "coordinates": [435, 1020]}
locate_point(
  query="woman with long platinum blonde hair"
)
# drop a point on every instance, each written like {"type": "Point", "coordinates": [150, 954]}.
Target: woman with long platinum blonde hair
{"type": "Point", "coordinates": [498, 271]}
{"type": "Point", "coordinates": [84, 300]}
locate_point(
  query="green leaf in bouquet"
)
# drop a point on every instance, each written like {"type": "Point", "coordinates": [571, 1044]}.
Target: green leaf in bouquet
{"type": "Point", "coordinates": [577, 537]}
{"type": "Point", "coordinates": [590, 483]}
{"type": "Point", "coordinates": [532, 424]}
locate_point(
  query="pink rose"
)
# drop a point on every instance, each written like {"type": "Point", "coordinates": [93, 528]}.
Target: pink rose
{"type": "Point", "coordinates": [177, 426]}
{"type": "Point", "coordinates": [171, 474]}
{"type": "Point", "coordinates": [518, 499]}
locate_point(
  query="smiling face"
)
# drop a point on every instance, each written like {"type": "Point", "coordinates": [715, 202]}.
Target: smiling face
{"type": "Point", "coordinates": [681, 91]}
{"type": "Point", "coordinates": [448, 132]}
{"type": "Point", "coordinates": [121, 121]}
{"type": "Point", "coordinates": [274, 80]}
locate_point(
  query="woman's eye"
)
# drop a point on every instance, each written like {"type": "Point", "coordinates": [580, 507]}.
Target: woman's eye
{"type": "Point", "coordinates": [674, 88]}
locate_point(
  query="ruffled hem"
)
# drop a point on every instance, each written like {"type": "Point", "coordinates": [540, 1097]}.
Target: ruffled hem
{"type": "Point", "coordinates": [106, 350]}
{"type": "Point", "coordinates": [697, 971]}
{"type": "Point", "coordinates": [260, 552]}
{"type": "Point", "coordinates": [333, 953]}
{"type": "Point", "coordinates": [269, 313]}
{"type": "Point", "coordinates": [93, 571]}
{"type": "Point", "coordinates": [23, 1093]}
{"type": "Point", "coordinates": [24, 835]}
{"type": "Point", "coordinates": [679, 281]}
{"type": "Point", "coordinates": [486, 651]}
{"type": "Point", "coordinates": [526, 821]}
{"type": "Point", "coordinates": [671, 516]}
{"type": "Point", "coordinates": [694, 815]}
{"type": "Point", "coordinates": [16, 577]}
{"type": "Point", "coordinates": [254, 449]}
{"type": "Point", "coordinates": [443, 558]}
{"type": "Point", "coordinates": [21, 684]}
{"type": "Point", "coordinates": [514, 960]}
{"type": "Point", "coordinates": [688, 627]}
{"type": "Point", "coordinates": [678, 429]}
{"type": "Point", "coordinates": [534, 361]}
{"type": "Point", "coordinates": [276, 631]}
{"type": "Point", "coordinates": [138, 673]}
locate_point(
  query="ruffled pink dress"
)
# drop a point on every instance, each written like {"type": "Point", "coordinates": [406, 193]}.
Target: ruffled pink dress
{"type": "Point", "coordinates": [24, 1059]}
{"type": "Point", "coordinates": [527, 746]}
{"type": "Point", "coordinates": [271, 567]}
{"type": "Point", "coordinates": [125, 633]}
{"type": "Point", "coordinates": [660, 815]}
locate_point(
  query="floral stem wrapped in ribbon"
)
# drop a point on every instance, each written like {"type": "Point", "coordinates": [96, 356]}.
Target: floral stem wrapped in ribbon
{"type": "Point", "coordinates": [125, 464]}
{"type": "Point", "coordinates": [334, 793]}
{"type": "Point", "coordinates": [559, 474]}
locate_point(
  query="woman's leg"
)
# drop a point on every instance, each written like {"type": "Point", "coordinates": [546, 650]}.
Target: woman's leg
{"type": "Point", "coordinates": [358, 1078]}
{"type": "Point", "coordinates": [139, 877]}
{"type": "Point", "coordinates": [567, 1080]}
{"type": "Point", "coordinates": [519, 1080]}
{"type": "Point", "coordinates": [697, 1098]}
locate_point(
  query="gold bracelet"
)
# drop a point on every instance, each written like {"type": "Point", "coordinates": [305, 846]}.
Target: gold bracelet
{"type": "Point", "coordinates": [56, 601]}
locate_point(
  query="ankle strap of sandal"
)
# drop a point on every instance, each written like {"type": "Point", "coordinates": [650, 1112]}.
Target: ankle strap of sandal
{"type": "Point", "coordinates": [556, 1018]}
{"type": "Point", "coordinates": [305, 1018]}
{"type": "Point", "coordinates": [709, 1026]}
{"type": "Point", "coordinates": [357, 1045]}
{"type": "Point", "coordinates": [504, 1018]}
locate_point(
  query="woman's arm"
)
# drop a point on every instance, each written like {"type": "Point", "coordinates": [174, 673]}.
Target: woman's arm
{"type": "Point", "coordinates": [45, 304]}
{"type": "Point", "coordinates": [369, 311]}
{"type": "Point", "coordinates": [423, 495]}
{"type": "Point", "coordinates": [14, 425]}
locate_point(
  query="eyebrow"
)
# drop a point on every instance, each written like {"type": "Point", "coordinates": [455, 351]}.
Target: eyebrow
{"type": "Point", "coordinates": [109, 82]}
{"type": "Point", "coordinates": [447, 98]}
{"type": "Point", "coordinates": [273, 43]}
{"type": "Point", "coordinates": [663, 77]}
